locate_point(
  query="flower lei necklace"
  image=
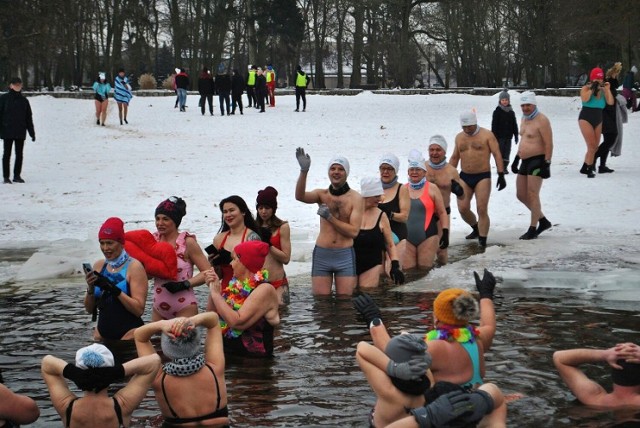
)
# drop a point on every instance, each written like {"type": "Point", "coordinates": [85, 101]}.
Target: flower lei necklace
{"type": "Point", "coordinates": [453, 334]}
{"type": "Point", "coordinates": [235, 295]}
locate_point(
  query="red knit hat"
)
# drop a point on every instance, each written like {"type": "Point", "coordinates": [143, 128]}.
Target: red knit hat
{"type": "Point", "coordinates": [252, 254]}
{"type": "Point", "coordinates": [268, 197]}
{"type": "Point", "coordinates": [596, 73]}
{"type": "Point", "coordinates": [113, 229]}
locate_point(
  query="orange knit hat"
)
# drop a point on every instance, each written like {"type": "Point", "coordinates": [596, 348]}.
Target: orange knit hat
{"type": "Point", "coordinates": [455, 307]}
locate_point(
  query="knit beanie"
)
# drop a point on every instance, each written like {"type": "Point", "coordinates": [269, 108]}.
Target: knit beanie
{"type": "Point", "coordinates": [182, 346]}
{"type": "Point", "coordinates": [455, 307]}
{"type": "Point", "coordinates": [391, 160]}
{"type": "Point", "coordinates": [439, 141]}
{"type": "Point", "coordinates": [113, 229]}
{"type": "Point", "coordinates": [94, 356]}
{"type": "Point", "coordinates": [340, 160]}
{"type": "Point", "coordinates": [174, 207]}
{"type": "Point", "coordinates": [404, 346]}
{"type": "Point", "coordinates": [252, 254]}
{"type": "Point", "coordinates": [468, 118]}
{"type": "Point", "coordinates": [268, 197]}
{"type": "Point", "coordinates": [504, 95]}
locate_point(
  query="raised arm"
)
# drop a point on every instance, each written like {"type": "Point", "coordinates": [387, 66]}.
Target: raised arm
{"type": "Point", "coordinates": [143, 370]}
{"type": "Point", "coordinates": [567, 362]}
{"type": "Point", "coordinates": [59, 391]}
{"type": "Point", "coordinates": [487, 328]}
{"type": "Point", "coordinates": [142, 336]}
{"type": "Point", "coordinates": [214, 351]}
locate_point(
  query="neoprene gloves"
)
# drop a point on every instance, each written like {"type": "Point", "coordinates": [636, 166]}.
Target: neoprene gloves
{"type": "Point", "coordinates": [486, 285]}
{"type": "Point", "coordinates": [365, 305]}
{"type": "Point", "coordinates": [304, 160]}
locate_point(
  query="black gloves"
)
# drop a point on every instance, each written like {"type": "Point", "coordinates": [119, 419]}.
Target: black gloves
{"type": "Point", "coordinates": [265, 235]}
{"type": "Point", "coordinates": [175, 286]}
{"type": "Point", "coordinates": [457, 189]}
{"type": "Point", "coordinates": [545, 170]}
{"type": "Point", "coordinates": [365, 305]}
{"type": "Point", "coordinates": [106, 285]}
{"type": "Point", "coordinates": [502, 183]}
{"type": "Point", "coordinates": [444, 241]}
{"type": "Point", "coordinates": [443, 410]}
{"type": "Point", "coordinates": [486, 285]}
{"type": "Point", "coordinates": [93, 379]}
{"type": "Point", "coordinates": [514, 165]}
{"type": "Point", "coordinates": [395, 273]}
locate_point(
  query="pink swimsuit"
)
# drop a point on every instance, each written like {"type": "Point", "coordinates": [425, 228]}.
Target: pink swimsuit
{"type": "Point", "coordinates": [166, 303]}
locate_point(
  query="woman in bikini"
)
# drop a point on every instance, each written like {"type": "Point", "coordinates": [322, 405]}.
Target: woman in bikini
{"type": "Point", "coordinates": [427, 210]}
{"type": "Point", "coordinates": [176, 298]}
{"type": "Point", "coordinates": [374, 238]}
{"type": "Point", "coordinates": [277, 234]}
{"type": "Point", "coordinates": [248, 305]}
{"type": "Point", "coordinates": [190, 389]}
{"type": "Point", "coordinates": [595, 95]}
{"type": "Point", "coordinates": [238, 225]}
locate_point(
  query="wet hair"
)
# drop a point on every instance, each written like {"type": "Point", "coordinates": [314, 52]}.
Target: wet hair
{"type": "Point", "coordinates": [249, 221]}
{"type": "Point", "coordinates": [628, 376]}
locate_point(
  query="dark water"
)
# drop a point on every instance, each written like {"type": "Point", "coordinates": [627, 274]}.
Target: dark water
{"type": "Point", "coordinates": [314, 379]}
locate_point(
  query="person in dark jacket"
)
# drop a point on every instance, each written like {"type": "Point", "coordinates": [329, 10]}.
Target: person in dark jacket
{"type": "Point", "coordinates": [182, 85]}
{"type": "Point", "coordinates": [609, 121]}
{"type": "Point", "coordinates": [504, 126]}
{"type": "Point", "coordinates": [206, 88]}
{"type": "Point", "coordinates": [237, 88]}
{"type": "Point", "coordinates": [15, 121]}
{"type": "Point", "coordinates": [261, 89]}
{"type": "Point", "coordinates": [223, 87]}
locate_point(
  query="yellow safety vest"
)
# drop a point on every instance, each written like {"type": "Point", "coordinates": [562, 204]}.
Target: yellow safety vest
{"type": "Point", "coordinates": [301, 80]}
{"type": "Point", "coordinates": [271, 76]}
{"type": "Point", "coordinates": [251, 80]}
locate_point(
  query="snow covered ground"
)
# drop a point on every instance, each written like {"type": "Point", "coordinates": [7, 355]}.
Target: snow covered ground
{"type": "Point", "coordinates": [78, 174]}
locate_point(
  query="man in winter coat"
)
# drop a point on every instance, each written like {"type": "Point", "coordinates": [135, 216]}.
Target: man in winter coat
{"type": "Point", "coordinates": [237, 88]}
{"type": "Point", "coordinates": [15, 121]}
{"type": "Point", "coordinates": [302, 80]}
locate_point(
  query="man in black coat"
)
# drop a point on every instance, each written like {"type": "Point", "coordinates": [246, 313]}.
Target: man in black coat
{"type": "Point", "coordinates": [15, 120]}
{"type": "Point", "coordinates": [223, 87]}
{"type": "Point", "coordinates": [261, 89]}
{"type": "Point", "coordinates": [237, 88]}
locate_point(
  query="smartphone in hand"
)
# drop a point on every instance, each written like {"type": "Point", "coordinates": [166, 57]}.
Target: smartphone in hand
{"type": "Point", "coordinates": [86, 267]}
{"type": "Point", "coordinates": [211, 250]}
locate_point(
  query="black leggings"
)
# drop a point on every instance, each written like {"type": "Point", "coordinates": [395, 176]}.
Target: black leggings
{"type": "Point", "coordinates": [223, 99]}
{"type": "Point", "coordinates": [208, 98]}
{"type": "Point", "coordinates": [6, 158]}
{"type": "Point", "coordinates": [301, 93]}
{"type": "Point", "coordinates": [608, 140]}
{"type": "Point", "coordinates": [236, 100]}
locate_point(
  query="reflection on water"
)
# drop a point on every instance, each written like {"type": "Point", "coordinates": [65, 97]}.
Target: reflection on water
{"type": "Point", "coordinates": [314, 379]}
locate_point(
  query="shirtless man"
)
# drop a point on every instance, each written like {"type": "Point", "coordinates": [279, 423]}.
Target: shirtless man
{"type": "Point", "coordinates": [624, 359]}
{"type": "Point", "coordinates": [446, 177]}
{"type": "Point", "coordinates": [535, 151]}
{"type": "Point", "coordinates": [473, 148]}
{"type": "Point", "coordinates": [340, 209]}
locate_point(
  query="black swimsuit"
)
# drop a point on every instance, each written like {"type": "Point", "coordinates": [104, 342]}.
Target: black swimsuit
{"type": "Point", "coordinates": [369, 246]}
{"type": "Point", "coordinates": [217, 413]}
{"type": "Point", "coordinates": [400, 229]}
{"type": "Point", "coordinates": [116, 407]}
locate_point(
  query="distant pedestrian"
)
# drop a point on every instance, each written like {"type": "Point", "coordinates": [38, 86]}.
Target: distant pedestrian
{"type": "Point", "coordinates": [15, 121]}
{"type": "Point", "coordinates": [101, 89]}
{"type": "Point", "coordinates": [237, 88]}
{"type": "Point", "coordinates": [611, 126]}
{"type": "Point", "coordinates": [302, 81]}
{"type": "Point", "coordinates": [122, 94]}
{"type": "Point", "coordinates": [251, 85]}
{"type": "Point", "coordinates": [504, 127]}
{"type": "Point", "coordinates": [182, 85]}
{"type": "Point", "coordinates": [206, 88]}
{"type": "Point", "coordinates": [261, 89]}
{"type": "Point", "coordinates": [223, 87]}
{"type": "Point", "coordinates": [627, 89]}
{"type": "Point", "coordinates": [271, 85]}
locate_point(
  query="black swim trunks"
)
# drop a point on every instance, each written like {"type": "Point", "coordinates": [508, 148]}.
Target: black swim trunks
{"type": "Point", "coordinates": [472, 180]}
{"type": "Point", "coordinates": [531, 166]}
